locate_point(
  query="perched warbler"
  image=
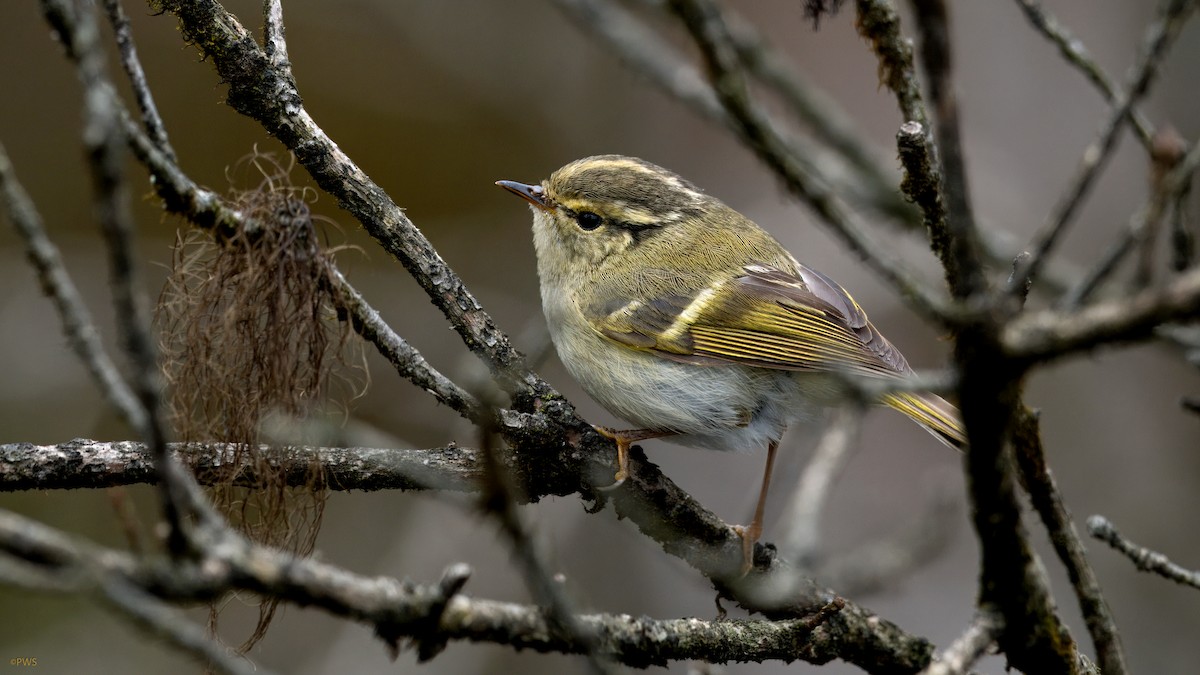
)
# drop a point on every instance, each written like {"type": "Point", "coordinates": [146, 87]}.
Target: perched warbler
{"type": "Point", "coordinates": [682, 316]}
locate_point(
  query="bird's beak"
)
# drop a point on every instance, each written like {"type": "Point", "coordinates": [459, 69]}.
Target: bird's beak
{"type": "Point", "coordinates": [534, 194]}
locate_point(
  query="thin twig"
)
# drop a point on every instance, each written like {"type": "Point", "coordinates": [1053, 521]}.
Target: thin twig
{"type": "Point", "coordinates": [103, 136]}
{"type": "Point", "coordinates": [643, 52]}
{"type": "Point", "coordinates": [56, 282]}
{"type": "Point", "coordinates": [1160, 35]}
{"type": "Point", "coordinates": [208, 210]}
{"type": "Point", "coordinates": [972, 645]}
{"type": "Point", "coordinates": [274, 40]}
{"type": "Point", "coordinates": [960, 256]}
{"type": "Point", "coordinates": [1183, 238]}
{"type": "Point", "coordinates": [1072, 49]}
{"type": "Point", "coordinates": [158, 619]}
{"type": "Point", "coordinates": [1171, 186]}
{"type": "Point", "coordinates": [498, 498]}
{"type": "Point", "coordinates": [703, 20]}
{"type": "Point", "coordinates": [803, 512]}
{"type": "Point", "coordinates": [137, 77]}
{"type": "Point", "coordinates": [830, 122]}
{"type": "Point", "coordinates": [920, 185]}
{"type": "Point", "coordinates": [879, 22]}
{"type": "Point", "coordinates": [1043, 491]}
{"type": "Point", "coordinates": [1142, 557]}
{"type": "Point", "coordinates": [1166, 153]}
{"type": "Point", "coordinates": [408, 362]}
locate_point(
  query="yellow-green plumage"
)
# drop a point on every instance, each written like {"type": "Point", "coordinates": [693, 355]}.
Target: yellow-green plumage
{"type": "Point", "coordinates": [679, 314]}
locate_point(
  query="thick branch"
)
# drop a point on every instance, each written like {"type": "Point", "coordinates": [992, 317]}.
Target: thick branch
{"type": "Point", "coordinates": [400, 608]}
{"type": "Point", "coordinates": [961, 259]}
{"type": "Point", "coordinates": [1050, 334]}
{"type": "Point", "coordinates": [1011, 576]}
{"type": "Point", "coordinates": [84, 463]}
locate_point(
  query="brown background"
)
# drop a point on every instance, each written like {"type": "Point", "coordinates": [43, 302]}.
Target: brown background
{"type": "Point", "coordinates": [438, 100]}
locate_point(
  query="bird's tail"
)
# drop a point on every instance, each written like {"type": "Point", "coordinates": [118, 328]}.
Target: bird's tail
{"type": "Point", "coordinates": [935, 413]}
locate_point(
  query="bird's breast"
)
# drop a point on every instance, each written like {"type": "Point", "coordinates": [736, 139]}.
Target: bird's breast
{"type": "Point", "coordinates": [724, 407]}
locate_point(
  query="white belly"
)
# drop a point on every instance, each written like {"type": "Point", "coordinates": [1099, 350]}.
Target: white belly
{"type": "Point", "coordinates": [733, 407]}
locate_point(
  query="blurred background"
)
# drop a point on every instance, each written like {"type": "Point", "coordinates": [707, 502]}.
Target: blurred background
{"type": "Point", "coordinates": [438, 100]}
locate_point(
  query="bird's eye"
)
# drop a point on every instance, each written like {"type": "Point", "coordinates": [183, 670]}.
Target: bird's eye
{"type": "Point", "coordinates": [588, 220]}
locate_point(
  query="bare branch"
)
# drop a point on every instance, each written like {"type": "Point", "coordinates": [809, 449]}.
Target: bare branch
{"type": "Point", "coordinates": [971, 646]}
{"type": "Point", "coordinates": [1076, 54]}
{"type": "Point", "coordinates": [1167, 187]}
{"type": "Point", "coordinates": [56, 282]}
{"type": "Point", "coordinates": [1160, 35]}
{"type": "Point", "coordinates": [160, 620]}
{"type": "Point", "coordinates": [1145, 559]}
{"type": "Point", "coordinates": [879, 22]}
{"type": "Point", "coordinates": [850, 169]}
{"type": "Point", "coordinates": [408, 362]}
{"type": "Point", "coordinates": [76, 25]}
{"type": "Point", "coordinates": [960, 256]}
{"type": "Point", "coordinates": [137, 77]}
{"type": "Point", "coordinates": [266, 92]}
{"type": "Point", "coordinates": [703, 19]}
{"type": "Point", "coordinates": [830, 122]}
{"type": "Point", "coordinates": [1043, 490]}
{"type": "Point", "coordinates": [402, 609]}
{"type": "Point", "coordinates": [499, 499]}
{"type": "Point", "coordinates": [808, 500]}
{"type": "Point", "coordinates": [83, 463]}
{"type": "Point", "coordinates": [921, 185]}
{"type": "Point", "coordinates": [274, 40]}
{"type": "Point", "coordinates": [1051, 334]}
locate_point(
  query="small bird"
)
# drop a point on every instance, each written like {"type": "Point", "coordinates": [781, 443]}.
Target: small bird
{"type": "Point", "coordinates": [680, 315]}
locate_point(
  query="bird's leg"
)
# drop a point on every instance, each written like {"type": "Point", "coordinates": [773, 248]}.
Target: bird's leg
{"type": "Point", "coordinates": [624, 439]}
{"type": "Point", "coordinates": [753, 531]}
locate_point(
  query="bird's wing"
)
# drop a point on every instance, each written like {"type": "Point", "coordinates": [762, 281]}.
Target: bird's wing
{"type": "Point", "coordinates": [763, 317]}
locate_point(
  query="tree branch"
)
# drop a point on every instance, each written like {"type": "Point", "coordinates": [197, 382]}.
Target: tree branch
{"type": "Point", "coordinates": [1051, 334]}
{"type": "Point", "coordinates": [971, 646]}
{"type": "Point", "coordinates": [704, 21]}
{"type": "Point", "coordinates": [960, 256]}
{"type": "Point", "coordinates": [1161, 33]}
{"type": "Point", "coordinates": [1142, 557]}
{"type": "Point", "coordinates": [397, 609]}
{"type": "Point", "coordinates": [87, 464]}
{"type": "Point", "coordinates": [265, 91]}
{"type": "Point", "coordinates": [1043, 490]}
{"type": "Point", "coordinates": [1075, 53]}
{"type": "Point", "coordinates": [56, 283]}
{"type": "Point", "coordinates": [77, 27]}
